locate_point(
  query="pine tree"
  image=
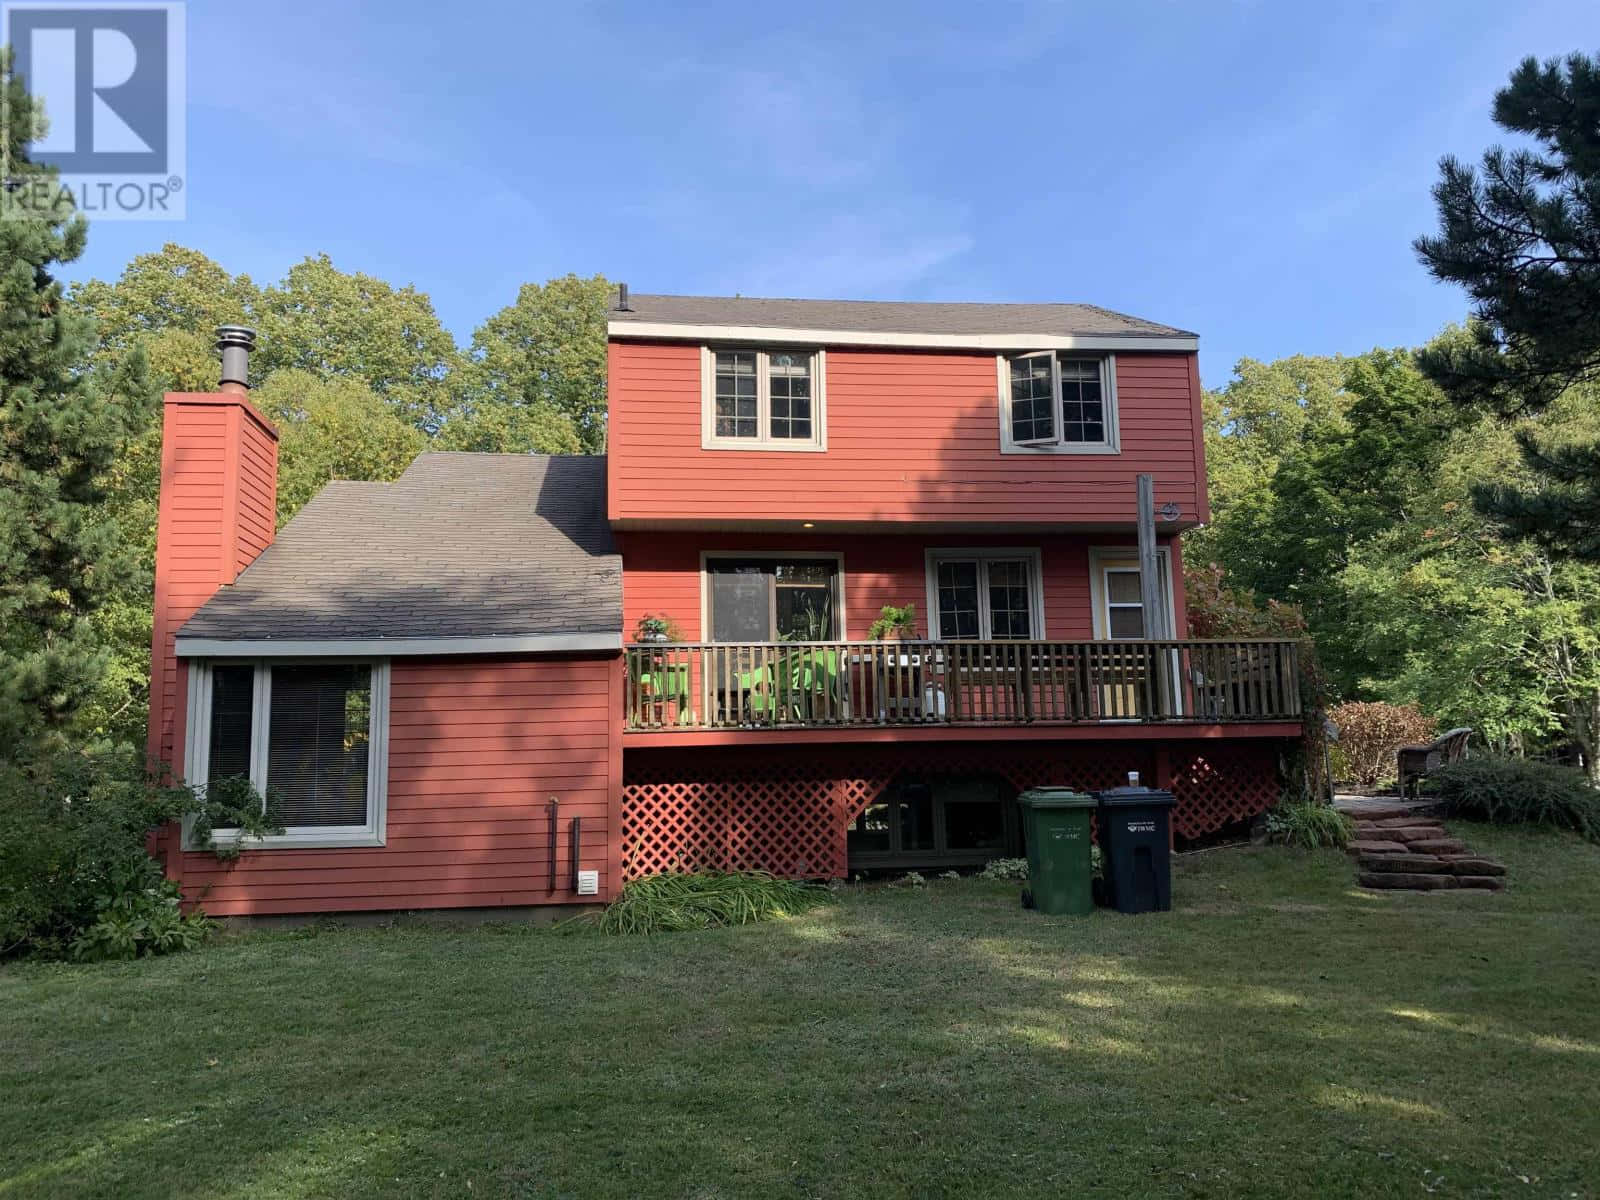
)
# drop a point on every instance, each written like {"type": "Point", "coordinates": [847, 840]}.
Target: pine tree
{"type": "Point", "coordinates": [62, 426]}
{"type": "Point", "coordinates": [1523, 238]}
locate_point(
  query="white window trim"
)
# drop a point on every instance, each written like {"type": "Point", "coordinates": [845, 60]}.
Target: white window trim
{"type": "Point", "coordinates": [984, 554]}
{"type": "Point", "coordinates": [707, 557]}
{"type": "Point", "coordinates": [197, 753]}
{"type": "Point", "coordinates": [1124, 558]}
{"type": "Point", "coordinates": [1108, 395]}
{"type": "Point", "coordinates": [817, 443]}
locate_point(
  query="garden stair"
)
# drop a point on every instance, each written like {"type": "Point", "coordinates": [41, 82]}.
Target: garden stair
{"type": "Point", "coordinates": [1402, 845]}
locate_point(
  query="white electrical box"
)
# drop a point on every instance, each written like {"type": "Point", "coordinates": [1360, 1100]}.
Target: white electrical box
{"type": "Point", "coordinates": [588, 883]}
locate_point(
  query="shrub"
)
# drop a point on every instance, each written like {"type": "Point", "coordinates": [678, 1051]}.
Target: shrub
{"type": "Point", "coordinates": [72, 840]}
{"type": "Point", "coordinates": [1310, 824]}
{"type": "Point", "coordinates": [1005, 868]}
{"type": "Point", "coordinates": [72, 849]}
{"type": "Point", "coordinates": [1370, 734]}
{"type": "Point", "coordinates": [143, 922]}
{"type": "Point", "coordinates": [1518, 791]}
{"type": "Point", "coordinates": [668, 903]}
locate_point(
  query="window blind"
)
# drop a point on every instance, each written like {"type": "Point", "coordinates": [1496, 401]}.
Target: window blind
{"type": "Point", "coordinates": [318, 742]}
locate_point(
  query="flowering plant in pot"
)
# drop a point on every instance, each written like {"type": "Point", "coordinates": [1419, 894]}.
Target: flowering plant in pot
{"type": "Point", "coordinates": [652, 627]}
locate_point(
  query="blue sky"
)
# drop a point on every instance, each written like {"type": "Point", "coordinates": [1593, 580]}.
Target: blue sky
{"type": "Point", "coordinates": [1252, 171]}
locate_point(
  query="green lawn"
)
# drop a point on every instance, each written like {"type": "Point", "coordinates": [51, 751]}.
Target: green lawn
{"type": "Point", "coordinates": [1280, 1034]}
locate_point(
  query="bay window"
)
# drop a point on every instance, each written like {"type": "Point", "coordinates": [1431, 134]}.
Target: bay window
{"type": "Point", "coordinates": [311, 735]}
{"type": "Point", "coordinates": [1052, 402]}
{"type": "Point", "coordinates": [762, 399]}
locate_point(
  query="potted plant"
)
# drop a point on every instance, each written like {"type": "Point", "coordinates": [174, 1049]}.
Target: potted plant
{"type": "Point", "coordinates": [653, 627]}
{"type": "Point", "coordinates": [895, 623]}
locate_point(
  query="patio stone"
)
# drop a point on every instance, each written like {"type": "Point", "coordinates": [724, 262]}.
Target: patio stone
{"type": "Point", "coordinates": [1404, 881]}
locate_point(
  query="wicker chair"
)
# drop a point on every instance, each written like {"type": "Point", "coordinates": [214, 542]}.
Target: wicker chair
{"type": "Point", "coordinates": [1417, 761]}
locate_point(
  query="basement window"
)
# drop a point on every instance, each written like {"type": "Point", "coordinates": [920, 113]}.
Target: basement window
{"type": "Point", "coordinates": [312, 735]}
{"type": "Point", "coordinates": [762, 399]}
{"type": "Point", "coordinates": [1053, 403]}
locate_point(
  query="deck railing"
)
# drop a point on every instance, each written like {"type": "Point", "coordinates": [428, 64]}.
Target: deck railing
{"type": "Point", "coordinates": [807, 685]}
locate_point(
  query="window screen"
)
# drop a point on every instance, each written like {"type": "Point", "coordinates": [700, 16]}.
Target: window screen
{"type": "Point", "coordinates": [958, 600]}
{"type": "Point", "coordinates": [1008, 600]}
{"type": "Point", "coordinates": [318, 744]}
{"type": "Point", "coordinates": [790, 383]}
{"type": "Point", "coordinates": [1124, 604]}
{"type": "Point", "coordinates": [736, 394]}
{"type": "Point", "coordinates": [1083, 413]}
{"type": "Point", "coordinates": [232, 715]}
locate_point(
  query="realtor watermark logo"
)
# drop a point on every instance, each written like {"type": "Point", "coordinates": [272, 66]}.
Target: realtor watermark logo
{"type": "Point", "coordinates": [109, 79]}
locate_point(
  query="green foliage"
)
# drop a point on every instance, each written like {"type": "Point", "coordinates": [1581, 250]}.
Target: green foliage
{"type": "Point", "coordinates": [1371, 734]}
{"type": "Point", "coordinates": [1217, 610]}
{"type": "Point", "coordinates": [1519, 235]}
{"type": "Point", "coordinates": [230, 803]}
{"type": "Point", "coordinates": [61, 430]}
{"type": "Point", "coordinates": [671, 903]}
{"type": "Point", "coordinates": [540, 366]}
{"type": "Point", "coordinates": [1309, 823]}
{"type": "Point", "coordinates": [332, 428]}
{"type": "Point", "coordinates": [72, 840]}
{"type": "Point", "coordinates": [655, 625]}
{"type": "Point", "coordinates": [340, 325]}
{"type": "Point", "coordinates": [1004, 868]}
{"type": "Point", "coordinates": [901, 619]}
{"type": "Point", "coordinates": [140, 923]}
{"type": "Point", "coordinates": [1518, 791]}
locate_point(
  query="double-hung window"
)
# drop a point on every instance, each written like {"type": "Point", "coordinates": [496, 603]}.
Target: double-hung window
{"type": "Point", "coordinates": [762, 399]}
{"type": "Point", "coordinates": [1052, 402]}
{"type": "Point", "coordinates": [987, 595]}
{"type": "Point", "coordinates": [311, 736]}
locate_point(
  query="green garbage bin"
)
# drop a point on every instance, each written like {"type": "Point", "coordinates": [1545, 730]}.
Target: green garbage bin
{"type": "Point", "coordinates": [1060, 872]}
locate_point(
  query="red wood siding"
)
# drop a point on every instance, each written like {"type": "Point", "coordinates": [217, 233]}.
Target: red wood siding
{"type": "Point", "coordinates": [219, 485]}
{"type": "Point", "coordinates": [476, 749]}
{"type": "Point", "coordinates": [911, 436]}
{"type": "Point", "coordinates": [661, 573]}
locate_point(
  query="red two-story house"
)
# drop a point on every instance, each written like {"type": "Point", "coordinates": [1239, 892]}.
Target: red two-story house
{"type": "Point", "coordinates": [509, 680]}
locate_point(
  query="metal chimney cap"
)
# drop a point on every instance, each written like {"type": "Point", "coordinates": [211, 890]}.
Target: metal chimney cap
{"type": "Point", "coordinates": [235, 335]}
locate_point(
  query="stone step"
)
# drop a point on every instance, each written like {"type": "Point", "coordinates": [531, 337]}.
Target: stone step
{"type": "Point", "coordinates": [1420, 864]}
{"type": "Point", "coordinates": [1407, 881]}
{"type": "Point", "coordinates": [1379, 812]}
{"type": "Point", "coordinates": [1414, 833]}
{"type": "Point", "coordinates": [1444, 845]}
{"type": "Point", "coordinates": [1471, 864]}
{"type": "Point", "coordinates": [1404, 822]}
{"type": "Point", "coordinates": [1360, 848]}
{"type": "Point", "coordinates": [1487, 883]}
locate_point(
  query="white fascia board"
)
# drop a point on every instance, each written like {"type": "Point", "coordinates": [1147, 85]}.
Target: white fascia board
{"type": "Point", "coordinates": [552, 643]}
{"type": "Point", "coordinates": [666, 331]}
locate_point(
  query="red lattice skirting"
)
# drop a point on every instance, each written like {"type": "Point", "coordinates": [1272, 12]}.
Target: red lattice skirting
{"type": "Point", "coordinates": [786, 809]}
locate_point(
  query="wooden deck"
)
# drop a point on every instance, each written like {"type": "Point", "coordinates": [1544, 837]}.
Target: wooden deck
{"type": "Point", "coordinates": [796, 686]}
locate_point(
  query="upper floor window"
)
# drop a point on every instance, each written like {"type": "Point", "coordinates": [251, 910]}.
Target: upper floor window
{"type": "Point", "coordinates": [1058, 403]}
{"type": "Point", "coordinates": [754, 399]}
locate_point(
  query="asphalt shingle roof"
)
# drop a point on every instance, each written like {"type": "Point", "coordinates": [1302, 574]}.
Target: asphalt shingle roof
{"type": "Point", "coordinates": [461, 545]}
{"type": "Point", "coordinates": [884, 316]}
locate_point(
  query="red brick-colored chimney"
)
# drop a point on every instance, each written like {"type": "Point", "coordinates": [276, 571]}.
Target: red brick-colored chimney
{"type": "Point", "coordinates": [218, 511]}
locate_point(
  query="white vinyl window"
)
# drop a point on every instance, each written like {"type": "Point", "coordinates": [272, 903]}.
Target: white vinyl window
{"type": "Point", "coordinates": [1124, 603]}
{"type": "Point", "coordinates": [1058, 403]}
{"type": "Point", "coordinates": [989, 595]}
{"type": "Point", "coordinates": [313, 735]}
{"type": "Point", "coordinates": [762, 399]}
